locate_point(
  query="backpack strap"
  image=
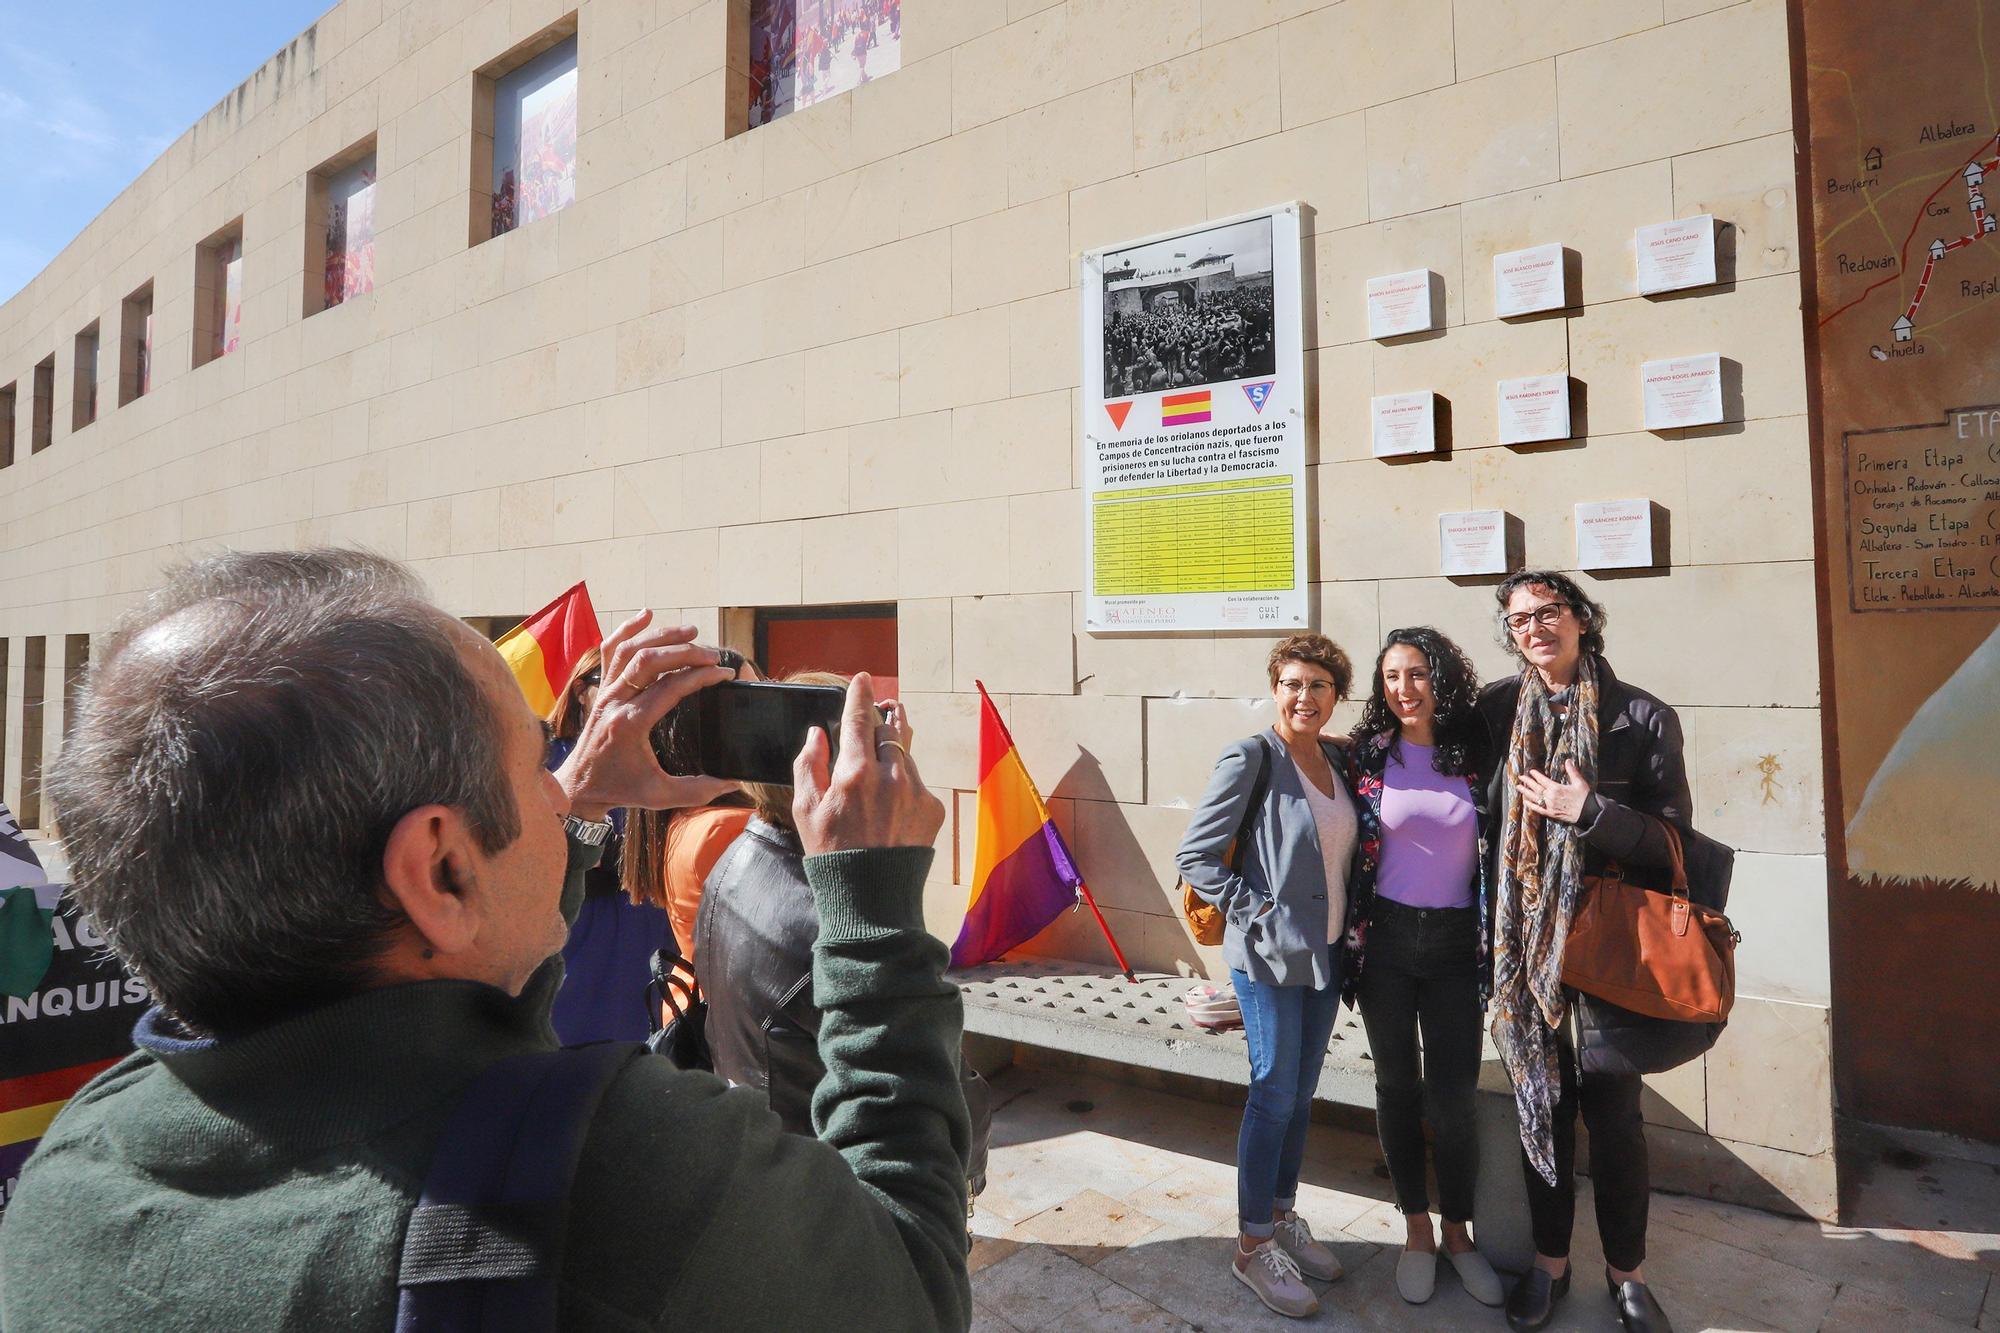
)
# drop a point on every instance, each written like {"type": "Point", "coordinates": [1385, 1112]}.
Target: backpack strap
{"type": "Point", "coordinates": [484, 1245]}
{"type": "Point", "coordinates": [1258, 790]}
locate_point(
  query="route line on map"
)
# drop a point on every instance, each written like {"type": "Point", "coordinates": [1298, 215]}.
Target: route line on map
{"type": "Point", "coordinates": [1982, 226]}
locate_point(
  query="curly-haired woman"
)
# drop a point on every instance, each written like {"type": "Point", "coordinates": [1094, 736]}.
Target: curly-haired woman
{"type": "Point", "coordinates": [1418, 948]}
{"type": "Point", "coordinates": [1283, 896]}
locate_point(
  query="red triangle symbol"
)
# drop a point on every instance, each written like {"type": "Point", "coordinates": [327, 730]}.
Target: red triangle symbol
{"type": "Point", "coordinates": [1118, 412]}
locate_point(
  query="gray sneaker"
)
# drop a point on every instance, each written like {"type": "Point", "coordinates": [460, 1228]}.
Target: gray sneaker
{"type": "Point", "coordinates": [1316, 1261]}
{"type": "Point", "coordinates": [1271, 1273]}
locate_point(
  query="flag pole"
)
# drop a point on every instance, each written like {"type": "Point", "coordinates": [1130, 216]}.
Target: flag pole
{"type": "Point", "coordinates": [1123, 966]}
{"type": "Point", "coordinates": [1082, 889]}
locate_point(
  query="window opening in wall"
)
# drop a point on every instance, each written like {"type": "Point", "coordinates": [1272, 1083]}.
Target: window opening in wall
{"type": "Point", "coordinates": [135, 346]}
{"type": "Point", "coordinates": [7, 397]}
{"type": "Point", "coordinates": [218, 294]}
{"type": "Point", "coordinates": [524, 133]}
{"type": "Point", "coordinates": [83, 380]}
{"type": "Point", "coordinates": [805, 51]}
{"type": "Point", "coordinates": [494, 626]}
{"type": "Point", "coordinates": [34, 662]}
{"type": "Point", "coordinates": [846, 639]}
{"type": "Point", "coordinates": [6, 644]}
{"type": "Point", "coordinates": [340, 228]}
{"type": "Point", "coordinates": [76, 663]}
{"type": "Point", "coordinates": [42, 425]}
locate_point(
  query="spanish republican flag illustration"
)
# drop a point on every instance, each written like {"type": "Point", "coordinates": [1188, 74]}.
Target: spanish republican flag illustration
{"type": "Point", "coordinates": [543, 649]}
{"type": "Point", "coordinates": [1184, 409]}
{"type": "Point", "coordinates": [1023, 876]}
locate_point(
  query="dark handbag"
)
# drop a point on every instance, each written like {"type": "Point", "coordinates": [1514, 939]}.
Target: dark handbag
{"type": "Point", "coordinates": [1204, 918]}
{"type": "Point", "coordinates": [677, 1013]}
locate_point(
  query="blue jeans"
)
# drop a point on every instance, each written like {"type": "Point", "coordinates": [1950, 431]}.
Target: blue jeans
{"type": "Point", "coordinates": [1287, 1028]}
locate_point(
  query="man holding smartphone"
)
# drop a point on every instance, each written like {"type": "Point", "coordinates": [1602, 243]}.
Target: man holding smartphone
{"type": "Point", "coordinates": [309, 809]}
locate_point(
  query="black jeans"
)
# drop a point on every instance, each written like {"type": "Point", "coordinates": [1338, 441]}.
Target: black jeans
{"type": "Point", "coordinates": [1618, 1172]}
{"type": "Point", "coordinates": [1421, 973]}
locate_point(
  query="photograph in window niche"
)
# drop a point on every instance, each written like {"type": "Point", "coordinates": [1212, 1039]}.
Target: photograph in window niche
{"type": "Point", "coordinates": [805, 51]}
{"type": "Point", "coordinates": [534, 139]}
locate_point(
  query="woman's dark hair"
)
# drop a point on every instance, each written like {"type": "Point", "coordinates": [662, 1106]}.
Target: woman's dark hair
{"type": "Point", "coordinates": [566, 718]}
{"type": "Point", "coordinates": [1454, 682]}
{"type": "Point", "coordinates": [1589, 613]}
{"type": "Point", "coordinates": [1314, 650]}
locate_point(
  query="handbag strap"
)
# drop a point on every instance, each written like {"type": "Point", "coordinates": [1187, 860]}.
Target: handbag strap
{"type": "Point", "coordinates": [1258, 789]}
{"type": "Point", "coordinates": [673, 985]}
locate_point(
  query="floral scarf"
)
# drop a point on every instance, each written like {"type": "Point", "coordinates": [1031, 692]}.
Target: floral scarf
{"type": "Point", "coordinates": [1541, 875]}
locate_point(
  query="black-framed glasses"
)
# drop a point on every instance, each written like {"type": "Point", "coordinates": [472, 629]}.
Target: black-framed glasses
{"type": "Point", "coordinates": [591, 681]}
{"type": "Point", "coordinates": [1548, 615]}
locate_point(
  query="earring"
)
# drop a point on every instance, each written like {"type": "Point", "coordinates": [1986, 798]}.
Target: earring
{"type": "Point", "coordinates": [429, 954]}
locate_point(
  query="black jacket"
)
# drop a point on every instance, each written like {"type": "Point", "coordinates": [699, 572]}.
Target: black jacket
{"type": "Point", "coordinates": [1641, 770]}
{"type": "Point", "coordinates": [754, 935]}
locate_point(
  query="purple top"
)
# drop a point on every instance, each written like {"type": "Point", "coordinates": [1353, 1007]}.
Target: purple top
{"type": "Point", "coordinates": [1430, 833]}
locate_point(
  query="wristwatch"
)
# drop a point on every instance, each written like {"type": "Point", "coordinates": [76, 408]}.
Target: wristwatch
{"type": "Point", "coordinates": [590, 833]}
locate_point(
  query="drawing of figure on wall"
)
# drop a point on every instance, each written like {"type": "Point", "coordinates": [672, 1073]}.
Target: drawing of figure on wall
{"type": "Point", "coordinates": [1919, 818]}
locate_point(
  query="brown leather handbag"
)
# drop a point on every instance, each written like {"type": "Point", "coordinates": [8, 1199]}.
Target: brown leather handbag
{"type": "Point", "coordinates": [1658, 954]}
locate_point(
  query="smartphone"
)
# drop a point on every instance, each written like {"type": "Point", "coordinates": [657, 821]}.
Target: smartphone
{"type": "Point", "coordinates": [752, 730]}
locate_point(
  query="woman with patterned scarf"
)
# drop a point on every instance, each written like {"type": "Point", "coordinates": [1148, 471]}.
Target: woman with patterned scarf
{"type": "Point", "coordinates": [1592, 767]}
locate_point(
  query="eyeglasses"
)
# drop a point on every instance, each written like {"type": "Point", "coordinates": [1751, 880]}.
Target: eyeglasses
{"type": "Point", "coordinates": [1548, 615]}
{"type": "Point", "coordinates": [591, 681]}
{"type": "Point", "coordinates": [1297, 687]}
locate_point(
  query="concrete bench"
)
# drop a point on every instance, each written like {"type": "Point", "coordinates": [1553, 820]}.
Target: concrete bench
{"type": "Point", "coordinates": [1095, 1013]}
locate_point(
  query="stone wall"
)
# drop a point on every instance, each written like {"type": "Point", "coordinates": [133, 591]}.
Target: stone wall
{"type": "Point", "coordinates": [835, 358]}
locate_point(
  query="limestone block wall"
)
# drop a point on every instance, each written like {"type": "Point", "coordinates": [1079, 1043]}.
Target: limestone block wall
{"type": "Point", "coordinates": [835, 359]}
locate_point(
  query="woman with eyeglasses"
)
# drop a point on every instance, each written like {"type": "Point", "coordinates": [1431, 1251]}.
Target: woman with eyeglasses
{"type": "Point", "coordinates": [1270, 847]}
{"type": "Point", "coordinates": [1418, 950]}
{"type": "Point", "coordinates": [1591, 769]}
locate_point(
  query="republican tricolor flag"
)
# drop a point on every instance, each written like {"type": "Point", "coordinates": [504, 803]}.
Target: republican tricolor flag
{"type": "Point", "coordinates": [1023, 876]}
{"type": "Point", "coordinates": [543, 650]}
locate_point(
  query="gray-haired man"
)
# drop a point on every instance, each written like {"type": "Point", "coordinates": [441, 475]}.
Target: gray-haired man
{"type": "Point", "coordinates": [309, 809]}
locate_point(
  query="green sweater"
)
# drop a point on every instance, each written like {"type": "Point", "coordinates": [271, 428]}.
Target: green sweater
{"type": "Point", "coordinates": [265, 1182]}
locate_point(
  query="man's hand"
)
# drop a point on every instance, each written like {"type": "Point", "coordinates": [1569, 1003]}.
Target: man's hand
{"type": "Point", "coordinates": [1560, 801]}
{"type": "Point", "coordinates": [873, 796]}
{"type": "Point", "coordinates": [646, 672]}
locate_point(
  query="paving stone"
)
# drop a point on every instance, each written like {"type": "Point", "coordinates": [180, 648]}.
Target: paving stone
{"type": "Point", "coordinates": [987, 1251]}
{"type": "Point", "coordinates": [1090, 1226]}
{"type": "Point", "coordinates": [1856, 1310]}
{"type": "Point", "coordinates": [1113, 1309]}
{"type": "Point", "coordinates": [985, 1321]}
{"type": "Point", "coordinates": [1031, 1288]}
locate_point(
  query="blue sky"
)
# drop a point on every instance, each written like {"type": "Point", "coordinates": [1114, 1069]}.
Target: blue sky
{"type": "Point", "coordinates": [92, 91]}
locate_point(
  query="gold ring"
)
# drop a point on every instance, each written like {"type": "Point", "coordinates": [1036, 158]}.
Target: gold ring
{"type": "Point", "coordinates": [886, 741]}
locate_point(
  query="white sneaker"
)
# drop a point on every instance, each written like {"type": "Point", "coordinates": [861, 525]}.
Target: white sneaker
{"type": "Point", "coordinates": [1316, 1261]}
{"type": "Point", "coordinates": [1481, 1282]}
{"type": "Point", "coordinates": [1416, 1275]}
{"type": "Point", "coordinates": [1271, 1273]}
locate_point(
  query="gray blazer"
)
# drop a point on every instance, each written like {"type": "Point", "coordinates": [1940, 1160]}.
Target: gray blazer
{"type": "Point", "coordinates": [1283, 868]}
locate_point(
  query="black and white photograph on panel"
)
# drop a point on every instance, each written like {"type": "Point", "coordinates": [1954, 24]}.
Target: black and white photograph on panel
{"type": "Point", "coordinates": [1190, 310]}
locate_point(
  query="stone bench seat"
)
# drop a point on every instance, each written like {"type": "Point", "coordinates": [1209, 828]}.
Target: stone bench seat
{"type": "Point", "coordinates": [1093, 1012]}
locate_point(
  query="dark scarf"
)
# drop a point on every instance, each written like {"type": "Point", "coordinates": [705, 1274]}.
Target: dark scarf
{"type": "Point", "coordinates": [1541, 875]}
